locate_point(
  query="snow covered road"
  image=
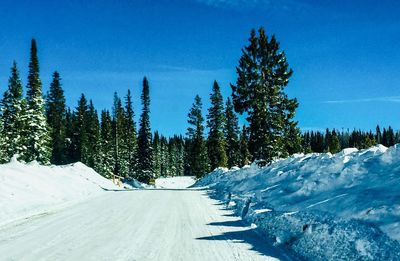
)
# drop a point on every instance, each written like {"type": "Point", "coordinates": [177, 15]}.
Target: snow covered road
{"type": "Point", "coordinates": [136, 225]}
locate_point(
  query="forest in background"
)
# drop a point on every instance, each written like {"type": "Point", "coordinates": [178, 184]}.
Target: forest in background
{"type": "Point", "coordinates": [41, 127]}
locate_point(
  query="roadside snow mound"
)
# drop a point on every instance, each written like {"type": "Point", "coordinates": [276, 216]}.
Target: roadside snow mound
{"type": "Point", "coordinates": [321, 206]}
{"type": "Point", "coordinates": [179, 182]}
{"type": "Point", "coordinates": [30, 189]}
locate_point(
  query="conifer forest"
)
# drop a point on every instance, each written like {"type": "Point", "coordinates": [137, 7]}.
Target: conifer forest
{"type": "Point", "coordinates": [38, 126]}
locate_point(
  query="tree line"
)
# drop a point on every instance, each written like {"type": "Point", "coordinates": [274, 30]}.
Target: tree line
{"type": "Point", "coordinates": [333, 140]}
{"type": "Point", "coordinates": [42, 128]}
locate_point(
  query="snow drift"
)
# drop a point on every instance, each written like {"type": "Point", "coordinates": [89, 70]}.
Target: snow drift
{"type": "Point", "coordinates": [30, 189]}
{"type": "Point", "coordinates": [321, 206]}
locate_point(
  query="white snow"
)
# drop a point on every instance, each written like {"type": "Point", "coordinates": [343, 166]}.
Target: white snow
{"type": "Point", "coordinates": [323, 206]}
{"type": "Point", "coordinates": [165, 225]}
{"type": "Point", "coordinates": [30, 189]}
{"type": "Point", "coordinates": [175, 182]}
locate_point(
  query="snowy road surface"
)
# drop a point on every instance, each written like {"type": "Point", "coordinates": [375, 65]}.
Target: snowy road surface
{"type": "Point", "coordinates": [136, 225]}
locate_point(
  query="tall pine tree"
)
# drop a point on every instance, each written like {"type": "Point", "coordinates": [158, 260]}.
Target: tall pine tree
{"type": "Point", "coordinates": [263, 73]}
{"type": "Point", "coordinates": [216, 124]}
{"type": "Point", "coordinates": [37, 137]}
{"type": "Point", "coordinates": [56, 119]}
{"type": "Point", "coordinates": [79, 139]}
{"type": "Point", "coordinates": [232, 132]}
{"type": "Point", "coordinates": [145, 150]}
{"type": "Point", "coordinates": [13, 108]}
{"type": "Point", "coordinates": [92, 128]}
{"type": "Point", "coordinates": [196, 152]}
{"type": "Point", "coordinates": [105, 165]}
{"type": "Point", "coordinates": [130, 135]}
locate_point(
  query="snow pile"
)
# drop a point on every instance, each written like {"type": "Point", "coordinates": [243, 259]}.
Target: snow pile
{"type": "Point", "coordinates": [321, 206]}
{"type": "Point", "coordinates": [175, 182]}
{"type": "Point", "coordinates": [29, 189]}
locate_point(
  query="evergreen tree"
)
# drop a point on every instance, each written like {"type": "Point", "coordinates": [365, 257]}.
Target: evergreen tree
{"type": "Point", "coordinates": [196, 156]}
{"type": "Point", "coordinates": [119, 133]}
{"type": "Point", "coordinates": [69, 133]}
{"type": "Point", "coordinates": [157, 154]}
{"type": "Point", "coordinates": [390, 136]}
{"type": "Point", "coordinates": [334, 143]}
{"type": "Point", "coordinates": [56, 119]}
{"type": "Point", "coordinates": [3, 157]}
{"type": "Point", "coordinates": [79, 140]}
{"type": "Point", "coordinates": [263, 73]}
{"type": "Point", "coordinates": [378, 135]}
{"type": "Point", "coordinates": [216, 123]}
{"type": "Point", "coordinates": [385, 138]}
{"type": "Point", "coordinates": [37, 137]}
{"type": "Point", "coordinates": [245, 155]}
{"type": "Point", "coordinates": [105, 165]}
{"type": "Point", "coordinates": [130, 135]}
{"type": "Point", "coordinates": [145, 150]}
{"type": "Point", "coordinates": [11, 116]}
{"type": "Point", "coordinates": [232, 132]}
{"type": "Point", "coordinates": [92, 128]}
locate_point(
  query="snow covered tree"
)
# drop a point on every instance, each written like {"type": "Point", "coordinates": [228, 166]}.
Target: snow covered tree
{"type": "Point", "coordinates": [69, 134]}
{"type": "Point", "coordinates": [3, 157]}
{"type": "Point", "coordinates": [12, 117]}
{"type": "Point", "coordinates": [37, 136]}
{"type": "Point", "coordinates": [216, 124]}
{"type": "Point", "coordinates": [130, 136]}
{"type": "Point", "coordinates": [56, 119]}
{"type": "Point", "coordinates": [232, 132]}
{"type": "Point", "coordinates": [196, 155]}
{"type": "Point", "coordinates": [245, 156]}
{"type": "Point", "coordinates": [145, 150]}
{"type": "Point", "coordinates": [105, 165]}
{"type": "Point", "coordinates": [263, 73]}
{"type": "Point", "coordinates": [119, 133]}
{"type": "Point", "coordinates": [157, 154]}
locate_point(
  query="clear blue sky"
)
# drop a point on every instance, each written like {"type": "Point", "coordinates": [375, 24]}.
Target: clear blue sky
{"type": "Point", "coordinates": [345, 54]}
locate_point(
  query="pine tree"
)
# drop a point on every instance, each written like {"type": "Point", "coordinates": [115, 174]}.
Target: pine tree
{"type": "Point", "coordinates": [105, 165]}
{"type": "Point", "coordinates": [263, 73]}
{"type": "Point", "coordinates": [216, 123]}
{"type": "Point", "coordinates": [292, 136]}
{"type": "Point", "coordinates": [145, 150]}
{"type": "Point", "coordinates": [56, 119]}
{"type": "Point", "coordinates": [196, 156]}
{"type": "Point", "coordinates": [3, 157]}
{"type": "Point", "coordinates": [334, 143]}
{"type": "Point", "coordinates": [119, 133]}
{"type": "Point", "coordinates": [232, 133]}
{"type": "Point", "coordinates": [390, 136]}
{"type": "Point", "coordinates": [37, 137]}
{"type": "Point", "coordinates": [130, 136]}
{"type": "Point", "coordinates": [69, 134]}
{"type": "Point", "coordinates": [79, 140]}
{"type": "Point", "coordinates": [157, 154]}
{"type": "Point", "coordinates": [245, 155]}
{"type": "Point", "coordinates": [92, 129]}
{"type": "Point", "coordinates": [378, 135]}
{"type": "Point", "coordinates": [11, 117]}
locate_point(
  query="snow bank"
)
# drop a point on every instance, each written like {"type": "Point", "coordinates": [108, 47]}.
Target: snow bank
{"type": "Point", "coordinates": [175, 182]}
{"type": "Point", "coordinates": [321, 206]}
{"type": "Point", "coordinates": [29, 189]}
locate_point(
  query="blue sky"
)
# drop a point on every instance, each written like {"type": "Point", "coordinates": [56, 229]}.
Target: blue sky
{"type": "Point", "coordinates": [345, 54]}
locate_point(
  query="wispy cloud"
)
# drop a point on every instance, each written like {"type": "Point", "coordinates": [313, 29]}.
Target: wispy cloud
{"type": "Point", "coordinates": [395, 99]}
